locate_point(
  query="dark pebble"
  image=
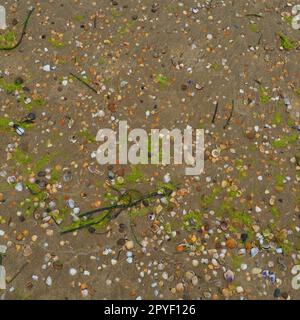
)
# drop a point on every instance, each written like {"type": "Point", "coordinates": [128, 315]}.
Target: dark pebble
{"type": "Point", "coordinates": [31, 116]}
{"type": "Point", "coordinates": [184, 87]}
{"type": "Point", "coordinates": [67, 176]}
{"type": "Point", "coordinates": [41, 174]}
{"type": "Point", "coordinates": [19, 81]}
{"type": "Point", "coordinates": [244, 237]}
{"type": "Point", "coordinates": [14, 22]}
{"type": "Point", "coordinates": [41, 183]}
{"type": "Point", "coordinates": [122, 227]}
{"type": "Point", "coordinates": [276, 293]}
{"type": "Point", "coordinates": [57, 265]}
{"type": "Point", "coordinates": [21, 218]}
{"type": "Point", "coordinates": [285, 295]}
{"type": "Point", "coordinates": [111, 175]}
{"type": "Point", "coordinates": [121, 242]}
{"type": "Point", "coordinates": [91, 230]}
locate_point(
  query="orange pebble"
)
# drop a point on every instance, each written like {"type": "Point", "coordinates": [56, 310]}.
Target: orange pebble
{"type": "Point", "coordinates": [230, 243]}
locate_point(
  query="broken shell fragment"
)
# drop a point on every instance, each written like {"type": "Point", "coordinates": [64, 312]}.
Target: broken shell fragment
{"type": "Point", "coordinates": [216, 153]}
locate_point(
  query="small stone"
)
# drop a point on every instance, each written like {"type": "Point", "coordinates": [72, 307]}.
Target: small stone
{"type": "Point", "coordinates": [250, 135]}
{"type": "Point", "coordinates": [239, 289]}
{"type": "Point", "coordinates": [167, 178]}
{"type": "Point", "coordinates": [49, 281]}
{"type": "Point", "coordinates": [199, 87]}
{"type": "Point", "coordinates": [129, 245]}
{"type": "Point", "coordinates": [256, 271]}
{"type": "Point", "coordinates": [121, 242]}
{"type": "Point", "coordinates": [231, 243]}
{"type": "Point", "coordinates": [114, 262]}
{"type": "Point", "coordinates": [72, 272]}
{"type": "Point", "coordinates": [57, 265]}
{"type": "Point", "coordinates": [258, 209]}
{"type": "Point", "coordinates": [195, 263]}
{"type": "Point", "coordinates": [84, 293]}
{"type": "Point", "coordinates": [19, 187]}
{"type": "Point", "coordinates": [254, 251]}
{"type": "Point", "coordinates": [229, 276]}
{"type": "Point", "coordinates": [71, 203]}
{"type": "Point", "coordinates": [19, 81]}
{"type": "Point", "coordinates": [3, 249]}
{"type": "Point", "coordinates": [27, 251]}
{"type": "Point", "coordinates": [189, 275]}
{"type": "Point", "coordinates": [277, 293]}
{"type": "Point", "coordinates": [207, 295]}
{"type": "Point", "coordinates": [272, 200]}
{"type": "Point", "coordinates": [76, 210]}
{"type": "Point", "coordinates": [180, 287]}
{"type": "Point", "coordinates": [47, 68]}
{"type": "Point", "coordinates": [244, 266]}
{"type": "Point", "coordinates": [67, 176]}
{"type": "Point", "coordinates": [195, 281]}
{"type": "Point", "coordinates": [244, 237]}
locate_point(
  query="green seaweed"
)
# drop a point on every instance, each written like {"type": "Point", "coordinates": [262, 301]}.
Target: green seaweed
{"type": "Point", "coordinates": [209, 199]}
{"type": "Point", "coordinates": [162, 80]}
{"type": "Point", "coordinates": [241, 217]}
{"type": "Point", "coordinates": [192, 220]}
{"type": "Point", "coordinates": [56, 43]}
{"type": "Point", "coordinates": [264, 97]}
{"type": "Point", "coordinates": [135, 175]}
{"type": "Point", "coordinates": [87, 135]}
{"type": "Point", "coordinates": [275, 212]}
{"type": "Point", "coordinates": [9, 87]}
{"type": "Point", "coordinates": [286, 43]}
{"type": "Point", "coordinates": [139, 212]}
{"type": "Point", "coordinates": [78, 18]}
{"type": "Point", "coordinates": [277, 119]}
{"type": "Point", "coordinates": [4, 124]}
{"type": "Point", "coordinates": [8, 39]}
{"type": "Point", "coordinates": [254, 27]}
{"type": "Point", "coordinates": [285, 141]}
{"type": "Point", "coordinates": [22, 158]}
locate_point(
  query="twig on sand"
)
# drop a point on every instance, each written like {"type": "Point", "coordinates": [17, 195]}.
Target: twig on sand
{"type": "Point", "coordinates": [18, 272]}
{"type": "Point", "coordinates": [215, 113]}
{"type": "Point", "coordinates": [133, 233]}
{"type": "Point", "coordinates": [230, 116]}
{"type": "Point", "coordinates": [84, 82]}
{"type": "Point", "coordinates": [256, 15]}
{"type": "Point", "coordinates": [22, 34]}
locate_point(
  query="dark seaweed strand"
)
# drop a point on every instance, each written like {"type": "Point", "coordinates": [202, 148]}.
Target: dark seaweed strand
{"type": "Point", "coordinates": [122, 206]}
{"type": "Point", "coordinates": [109, 209]}
{"type": "Point", "coordinates": [230, 116]}
{"type": "Point", "coordinates": [22, 34]}
{"type": "Point", "coordinates": [82, 81]}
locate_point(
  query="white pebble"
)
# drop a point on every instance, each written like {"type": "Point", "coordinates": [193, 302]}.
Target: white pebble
{"type": "Point", "coordinates": [49, 281]}
{"type": "Point", "coordinates": [47, 68]}
{"type": "Point", "coordinates": [72, 272]}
